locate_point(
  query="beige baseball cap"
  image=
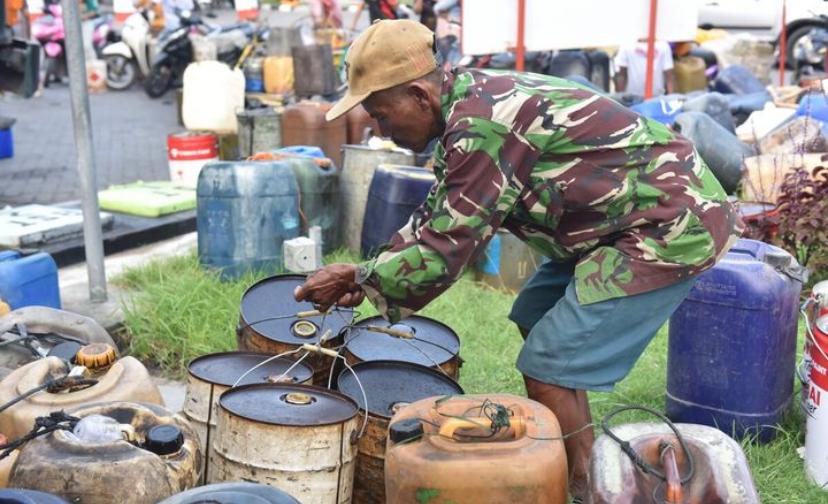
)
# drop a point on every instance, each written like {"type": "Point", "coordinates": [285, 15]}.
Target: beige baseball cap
{"type": "Point", "coordinates": [388, 53]}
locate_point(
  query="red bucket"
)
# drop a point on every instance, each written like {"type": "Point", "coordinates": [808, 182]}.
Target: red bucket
{"type": "Point", "coordinates": [187, 153]}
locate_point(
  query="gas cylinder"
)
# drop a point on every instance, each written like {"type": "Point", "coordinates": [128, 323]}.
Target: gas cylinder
{"type": "Point", "coordinates": [210, 375]}
{"type": "Point", "coordinates": [721, 475]}
{"type": "Point", "coordinates": [360, 163]}
{"type": "Point", "coordinates": [446, 450]}
{"type": "Point", "coordinates": [124, 379]}
{"type": "Point", "coordinates": [393, 196]}
{"type": "Point", "coordinates": [124, 452]}
{"type": "Point", "coordinates": [389, 386]}
{"type": "Point", "coordinates": [246, 210]}
{"type": "Point", "coordinates": [298, 438]}
{"type": "Point", "coordinates": [739, 323]}
{"type": "Point", "coordinates": [304, 124]}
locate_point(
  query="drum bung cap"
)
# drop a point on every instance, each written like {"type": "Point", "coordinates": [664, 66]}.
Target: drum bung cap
{"type": "Point", "coordinates": [96, 356]}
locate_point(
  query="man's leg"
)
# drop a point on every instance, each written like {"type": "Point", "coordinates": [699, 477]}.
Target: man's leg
{"type": "Point", "coordinates": [572, 409]}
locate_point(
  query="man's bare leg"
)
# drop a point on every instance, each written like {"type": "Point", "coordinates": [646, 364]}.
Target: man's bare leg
{"type": "Point", "coordinates": [572, 409]}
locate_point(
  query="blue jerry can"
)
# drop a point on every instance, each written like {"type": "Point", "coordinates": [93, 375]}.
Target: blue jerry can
{"type": "Point", "coordinates": [28, 279]}
{"type": "Point", "coordinates": [732, 348]}
{"type": "Point", "coordinates": [246, 210]}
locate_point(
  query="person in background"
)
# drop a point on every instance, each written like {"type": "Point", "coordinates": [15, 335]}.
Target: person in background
{"type": "Point", "coordinates": [425, 8]}
{"type": "Point", "coordinates": [377, 9]}
{"type": "Point", "coordinates": [448, 31]}
{"type": "Point", "coordinates": [631, 69]}
{"type": "Point", "coordinates": [326, 13]}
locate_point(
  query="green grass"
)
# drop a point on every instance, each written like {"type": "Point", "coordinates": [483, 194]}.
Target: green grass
{"type": "Point", "coordinates": [179, 311]}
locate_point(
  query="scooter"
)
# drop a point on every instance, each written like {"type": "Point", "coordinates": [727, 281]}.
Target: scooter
{"type": "Point", "coordinates": [48, 31]}
{"type": "Point", "coordinates": [130, 56]}
{"type": "Point", "coordinates": [176, 52]}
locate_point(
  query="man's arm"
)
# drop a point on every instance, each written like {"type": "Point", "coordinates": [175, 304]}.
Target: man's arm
{"type": "Point", "coordinates": [669, 81]}
{"type": "Point", "coordinates": [621, 80]}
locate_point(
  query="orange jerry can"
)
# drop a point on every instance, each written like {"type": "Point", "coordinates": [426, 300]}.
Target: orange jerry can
{"type": "Point", "coordinates": [473, 449]}
{"type": "Point", "coordinates": [304, 124]}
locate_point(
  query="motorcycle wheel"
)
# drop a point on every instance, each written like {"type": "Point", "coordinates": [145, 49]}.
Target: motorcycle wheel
{"type": "Point", "coordinates": [158, 81]}
{"type": "Point", "coordinates": [120, 72]}
{"type": "Point", "coordinates": [804, 45]}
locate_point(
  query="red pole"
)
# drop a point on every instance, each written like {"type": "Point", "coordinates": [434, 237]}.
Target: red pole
{"type": "Point", "coordinates": [520, 56]}
{"type": "Point", "coordinates": [783, 43]}
{"type": "Point", "coordinates": [648, 82]}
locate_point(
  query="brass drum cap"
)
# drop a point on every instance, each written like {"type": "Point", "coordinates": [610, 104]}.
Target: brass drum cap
{"type": "Point", "coordinates": [96, 356]}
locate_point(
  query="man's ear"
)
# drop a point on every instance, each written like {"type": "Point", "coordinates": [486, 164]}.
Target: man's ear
{"type": "Point", "coordinates": [419, 92]}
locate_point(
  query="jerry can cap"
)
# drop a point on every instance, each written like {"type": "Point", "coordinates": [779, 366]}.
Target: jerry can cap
{"type": "Point", "coordinates": [164, 439]}
{"type": "Point", "coordinates": [406, 430]}
{"type": "Point", "coordinates": [96, 356]}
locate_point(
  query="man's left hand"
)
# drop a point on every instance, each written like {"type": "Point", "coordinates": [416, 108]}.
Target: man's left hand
{"type": "Point", "coordinates": [333, 284]}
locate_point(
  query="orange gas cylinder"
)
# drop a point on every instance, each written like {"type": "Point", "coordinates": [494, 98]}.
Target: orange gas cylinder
{"type": "Point", "coordinates": [304, 124]}
{"type": "Point", "coordinates": [468, 449]}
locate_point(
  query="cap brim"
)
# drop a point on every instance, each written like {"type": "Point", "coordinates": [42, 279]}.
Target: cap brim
{"type": "Point", "coordinates": [347, 102]}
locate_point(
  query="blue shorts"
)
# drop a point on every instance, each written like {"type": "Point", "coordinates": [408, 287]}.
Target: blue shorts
{"type": "Point", "coordinates": [586, 347]}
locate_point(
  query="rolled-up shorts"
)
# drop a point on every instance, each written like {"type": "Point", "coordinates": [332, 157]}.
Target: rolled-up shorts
{"type": "Point", "coordinates": [587, 347]}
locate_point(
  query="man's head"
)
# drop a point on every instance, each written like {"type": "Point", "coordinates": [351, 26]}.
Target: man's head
{"type": "Point", "coordinates": [392, 71]}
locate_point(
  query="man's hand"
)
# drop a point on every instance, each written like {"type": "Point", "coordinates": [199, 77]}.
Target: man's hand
{"type": "Point", "coordinates": [333, 284]}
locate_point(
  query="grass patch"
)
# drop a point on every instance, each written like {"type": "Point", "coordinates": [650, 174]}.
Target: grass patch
{"type": "Point", "coordinates": [178, 312]}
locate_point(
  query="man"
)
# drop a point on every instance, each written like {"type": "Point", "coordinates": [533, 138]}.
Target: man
{"type": "Point", "coordinates": [631, 68]}
{"type": "Point", "coordinates": [626, 211]}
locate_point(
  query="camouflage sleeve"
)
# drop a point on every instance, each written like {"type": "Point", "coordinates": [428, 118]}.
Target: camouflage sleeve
{"type": "Point", "coordinates": [468, 203]}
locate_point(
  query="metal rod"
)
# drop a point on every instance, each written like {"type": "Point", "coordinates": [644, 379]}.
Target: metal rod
{"type": "Point", "coordinates": [520, 51]}
{"type": "Point", "coordinates": [783, 43]}
{"type": "Point", "coordinates": [651, 36]}
{"type": "Point", "coordinates": [81, 118]}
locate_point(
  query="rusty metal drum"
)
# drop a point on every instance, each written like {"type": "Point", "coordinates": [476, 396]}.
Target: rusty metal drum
{"type": "Point", "coordinates": [273, 322]}
{"type": "Point", "coordinates": [211, 375]}
{"type": "Point", "coordinates": [298, 438]}
{"type": "Point", "coordinates": [388, 385]}
{"type": "Point", "coordinates": [417, 339]}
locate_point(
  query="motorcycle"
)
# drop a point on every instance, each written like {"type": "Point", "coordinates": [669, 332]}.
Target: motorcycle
{"type": "Point", "coordinates": [48, 30]}
{"type": "Point", "coordinates": [130, 56]}
{"type": "Point", "coordinates": [176, 51]}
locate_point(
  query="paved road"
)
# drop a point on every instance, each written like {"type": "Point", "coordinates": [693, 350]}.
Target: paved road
{"type": "Point", "coordinates": [129, 131]}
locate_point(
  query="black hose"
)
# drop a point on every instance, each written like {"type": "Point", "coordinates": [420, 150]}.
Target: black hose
{"type": "Point", "coordinates": [636, 459]}
{"type": "Point", "coordinates": [54, 384]}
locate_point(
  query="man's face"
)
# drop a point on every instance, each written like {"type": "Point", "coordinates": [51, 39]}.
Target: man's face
{"type": "Point", "coordinates": [405, 115]}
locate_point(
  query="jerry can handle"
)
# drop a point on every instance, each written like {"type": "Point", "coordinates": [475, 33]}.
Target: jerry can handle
{"type": "Point", "coordinates": [450, 427]}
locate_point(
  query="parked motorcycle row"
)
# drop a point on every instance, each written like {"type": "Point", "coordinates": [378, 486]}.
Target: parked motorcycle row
{"type": "Point", "coordinates": [134, 53]}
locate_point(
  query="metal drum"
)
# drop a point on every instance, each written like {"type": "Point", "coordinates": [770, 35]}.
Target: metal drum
{"type": "Point", "coordinates": [232, 493]}
{"type": "Point", "coordinates": [424, 341]}
{"type": "Point", "coordinates": [298, 438]}
{"type": "Point", "coordinates": [272, 322]}
{"type": "Point", "coordinates": [359, 164]}
{"type": "Point", "coordinates": [210, 375]}
{"type": "Point", "coordinates": [388, 386]}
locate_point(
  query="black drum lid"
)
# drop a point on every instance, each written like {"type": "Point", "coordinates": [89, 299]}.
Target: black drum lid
{"type": "Point", "coordinates": [273, 297]}
{"type": "Point", "coordinates": [288, 405]}
{"type": "Point", "coordinates": [436, 343]}
{"type": "Point", "coordinates": [226, 367]}
{"type": "Point", "coordinates": [392, 384]}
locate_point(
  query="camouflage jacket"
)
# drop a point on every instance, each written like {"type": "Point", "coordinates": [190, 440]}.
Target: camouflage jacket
{"type": "Point", "coordinates": [572, 173]}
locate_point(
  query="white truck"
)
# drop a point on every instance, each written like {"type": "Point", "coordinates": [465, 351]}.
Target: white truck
{"type": "Point", "coordinates": [802, 17]}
